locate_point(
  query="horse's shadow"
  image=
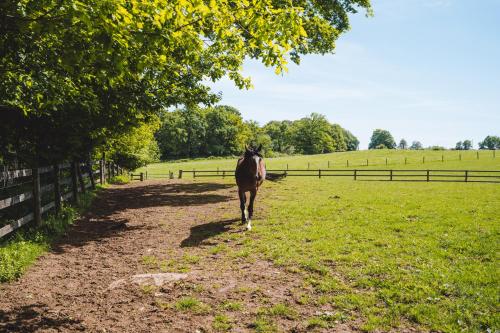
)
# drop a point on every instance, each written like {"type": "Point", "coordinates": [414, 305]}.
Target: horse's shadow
{"type": "Point", "coordinates": [200, 233]}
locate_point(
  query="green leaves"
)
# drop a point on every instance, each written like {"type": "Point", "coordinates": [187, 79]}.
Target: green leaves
{"type": "Point", "coordinates": [103, 66]}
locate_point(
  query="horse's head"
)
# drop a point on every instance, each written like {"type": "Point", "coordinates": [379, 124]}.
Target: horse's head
{"type": "Point", "coordinates": [255, 159]}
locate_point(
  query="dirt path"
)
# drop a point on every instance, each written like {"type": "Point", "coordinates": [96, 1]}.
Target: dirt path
{"type": "Point", "coordinates": [86, 282]}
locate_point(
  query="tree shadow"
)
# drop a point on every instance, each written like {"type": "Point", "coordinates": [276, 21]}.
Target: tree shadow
{"type": "Point", "coordinates": [36, 318]}
{"type": "Point", "coordinates": [103, 222]}
{"type": "Point", "coordinates": [202, 232]}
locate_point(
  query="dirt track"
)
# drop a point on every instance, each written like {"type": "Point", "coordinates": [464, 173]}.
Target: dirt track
{"type": "Point", "coordinates": [84, 283]}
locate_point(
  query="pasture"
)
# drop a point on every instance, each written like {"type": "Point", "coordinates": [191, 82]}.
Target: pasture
{"type": "Point", "coordinates": [419, 159]}
{"type": "Point", "coordinates": [324, 255]}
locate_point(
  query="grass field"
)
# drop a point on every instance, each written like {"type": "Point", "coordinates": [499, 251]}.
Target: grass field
{"type": "Point", "coordinates": [419, 159]}
{"type": "Point", "coordinates": [385, 254]}
{"type": "Point", "coordinates": [389, 254]}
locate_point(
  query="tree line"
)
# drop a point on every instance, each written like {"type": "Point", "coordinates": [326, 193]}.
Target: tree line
{"type": "Point", "coordinates": [383, 139]}
{"type": "Point", "coordinates": [221, 131]}
{"type": "Point", "coordinates": [82, 77]}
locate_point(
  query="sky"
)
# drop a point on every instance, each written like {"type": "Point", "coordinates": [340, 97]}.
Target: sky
{"type": "Point", "coordinates": [426, 70]}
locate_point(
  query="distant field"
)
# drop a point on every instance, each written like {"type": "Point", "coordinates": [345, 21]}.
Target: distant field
{"type": "Point", "coordinates": [415, 159]}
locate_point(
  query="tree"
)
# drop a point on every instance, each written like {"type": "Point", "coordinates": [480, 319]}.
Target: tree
{"type": "Point", "coordinates": [135, 148]}
{"type": "Point", "coordinates": [416, 145]}
{"type": "Point", "coordinates": [226, 132]}
{"type": "Point", "coordinates": [92, 69]}
{"type": "Point", "coordinates": [467, 144]}
{"type": "Point", "coordinates": [459, 145]}
{"type": "Point", "coordinates": [490, 142]}
{"type": "Point", "coordinates": [352, 142]}
{"type": "Point", "coordinates": [279, 132]}
{"type": "Point", "coordinates": [311, 135]}
{"type": "Point", "coordinates": [382, 137]}
{"type": "Point", "coordinates": [403, 144]}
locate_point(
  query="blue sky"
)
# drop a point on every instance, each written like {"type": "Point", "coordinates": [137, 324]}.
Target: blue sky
{"type": "Point", "coordinates": [426, 70]}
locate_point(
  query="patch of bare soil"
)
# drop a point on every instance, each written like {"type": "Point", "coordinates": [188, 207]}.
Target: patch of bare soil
{"type": "Point", "coordinates": [156, 256]}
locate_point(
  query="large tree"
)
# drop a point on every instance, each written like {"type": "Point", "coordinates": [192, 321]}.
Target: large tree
{"type": "Point", "coordinates": [490, 142]}
{"type": "Point", "coordinates": [92, 69]}
{"type": "Point", "coordinates": [382, 138]}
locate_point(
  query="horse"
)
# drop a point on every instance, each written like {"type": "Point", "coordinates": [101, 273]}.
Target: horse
{"type": "Point", "coordinates": [250, 174]}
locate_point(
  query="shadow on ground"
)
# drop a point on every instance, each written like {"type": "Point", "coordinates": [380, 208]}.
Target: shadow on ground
{"type": "Point", "coordinates": [36, 318]}
{"type": "Point", "coordinates": [203, 232]}
{"type": "Point", "coordinates": [101, 222]}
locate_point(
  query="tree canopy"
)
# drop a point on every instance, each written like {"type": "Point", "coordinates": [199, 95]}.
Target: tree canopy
{"type": "Point", "coordinates": [381, 139]}
{"type": "Point", "coordinates": [221, 131]}
{"type": "Point", "coordinates": [88, 70]}
{"type": "Point", "coordinates": [490, 142]}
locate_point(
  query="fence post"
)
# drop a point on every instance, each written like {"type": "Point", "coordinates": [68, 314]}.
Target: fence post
{"type": "Point", "coordinates": [101, 171]}
{"type": "Point", "coordinates": [108, 171]}
{"type": "Point", "coordinates": [80, 177]}
{"type": "Point", "coordinates": [428, 175]}
{"type": "Point", "coordinates": [180, 174]}
{"type": "Point", "coordinates": [442, 158]}
{"type": "Point", "coordinates": [74, 181]}
{"type": "Point", "coordinates": [217, 170]}
{"type": "Point", "coordinates": [366, 162]}
{"type": "Point", "coordinates": [328, 164]}
{"type": "Point", "coordinates": [194, 173]}
{"type": "Point", "coordinates": [459, 157]}
{"type": "Point", "coordinates": [466, 176]}
{"type": "Point", "coordinates": [391, 174]}
{"type": "Point", "coordinates": [386, 161]}
{"type": "Point", "coordinates": [37, 209]}
{"type": "Point", "coordinates": [406, 161]}
{"type": "Point", "coordinates": [142, 176]}
{"type": "Point", "coordinates": [423, 159]}
{"type": "Point", "coordinates": [287, 166]}
{"type": "Point", "coordinates": [347, 163]}
{"type": "Point", "coordinates": [355, 174]}
{"type": "Point", "coordinates": [308, 165]}
{"type": "Point", "coordinates": [477, 153]}
{"type": "Point", "coordinates": [223, 173]}
{"type": "Point", "coordinates": [57, 189]}
{"type": "Point", "coordinates": [91, 174]}
{"type": "Point", "coordinates": [319, 173]}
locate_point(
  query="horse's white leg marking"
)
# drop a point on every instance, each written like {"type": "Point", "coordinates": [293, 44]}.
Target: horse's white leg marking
{"type": "Point", "coordinates": [246, 214]}
{"type": "Point", "coordinates": [249, 225]}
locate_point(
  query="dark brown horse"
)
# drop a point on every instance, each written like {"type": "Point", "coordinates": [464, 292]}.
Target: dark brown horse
{"type": "Point", "coordinates": [250, 174]}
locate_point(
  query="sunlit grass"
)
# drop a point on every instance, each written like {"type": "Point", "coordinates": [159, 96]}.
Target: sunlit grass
{"type": "Point", "coordinates": [389, 253]}
{"type": "Point", "coordinates": [395, 159]}
{"type": "Point", "coordinates": [22, 248]}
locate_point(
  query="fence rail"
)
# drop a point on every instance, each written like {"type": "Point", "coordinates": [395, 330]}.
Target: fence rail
{"type": "Point", "coordinates": [376, 174]}
{"type": "Point", "coordinates": [16, 191]}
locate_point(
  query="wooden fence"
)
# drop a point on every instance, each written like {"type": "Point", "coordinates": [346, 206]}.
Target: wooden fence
{"type": "Point", "coordinates": [26, 195]}
{"type": "Point", "coordinates": [491, 176]}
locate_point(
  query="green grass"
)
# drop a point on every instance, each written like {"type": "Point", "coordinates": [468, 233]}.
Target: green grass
{"type": "Point", "coordinates": [389, 253]}
{"type": "Point", "coordinates": [120, 179]}
{"type": "Point", "coordinates": [22, 248]}
{"type": "Point", "coordinates": [191, 304]}
{"type": "Point", "coordinates": [222, 323]}
{"type": "Point", "coordinates": [357, 159]}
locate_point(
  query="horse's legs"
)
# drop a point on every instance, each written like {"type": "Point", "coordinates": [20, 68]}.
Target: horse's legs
{"type": "Point", "coordinates": [253, 194]}
{"type": "Point", "coordinates": [243, 200]}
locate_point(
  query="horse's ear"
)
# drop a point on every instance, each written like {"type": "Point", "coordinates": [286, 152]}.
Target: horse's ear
{"type": "Point", "coordinates": [259, 148]}
{"type": "Point", "coordinates": [247, 149]}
